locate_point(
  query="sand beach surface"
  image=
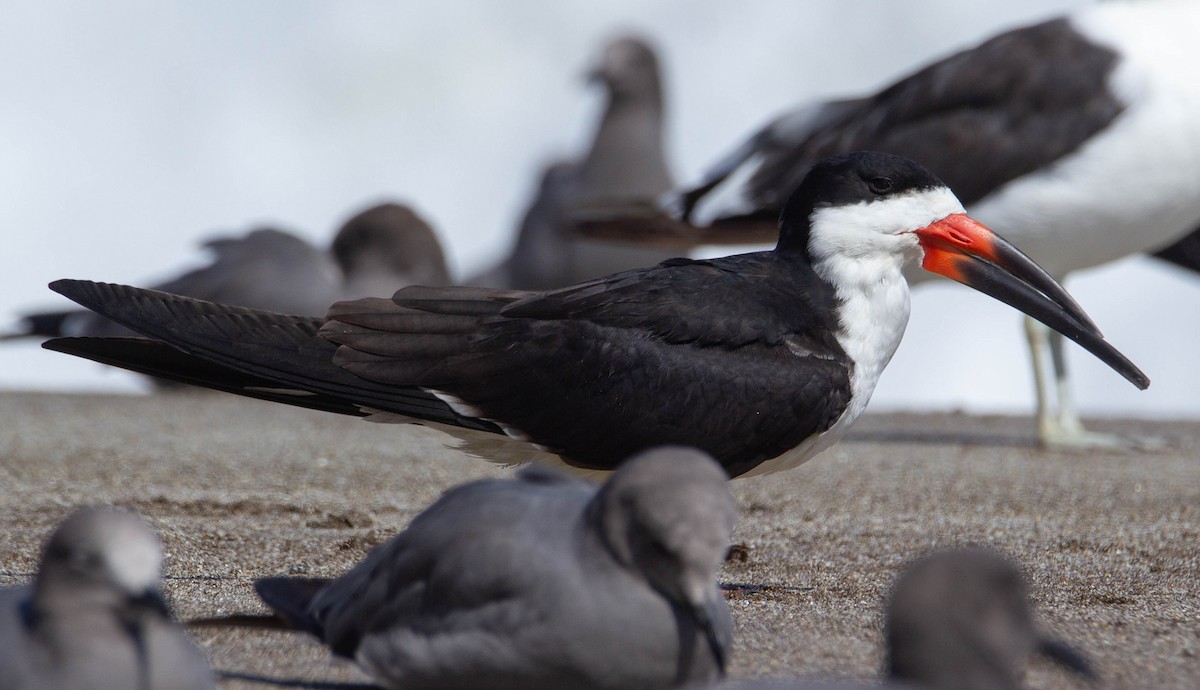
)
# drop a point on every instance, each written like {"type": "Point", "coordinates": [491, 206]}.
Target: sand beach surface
{"type": "Point", "coordinates": [241, 489]}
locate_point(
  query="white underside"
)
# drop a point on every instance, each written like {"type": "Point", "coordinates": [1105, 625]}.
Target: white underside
{"type": "Point", "coordinates": [1135, 186]}
{"type": "Point", "coordinates": [501, 449]}
{"type": "Point", "coordinates": [862, 250]}
{"type": "Point", "coordinates": [874, 323]}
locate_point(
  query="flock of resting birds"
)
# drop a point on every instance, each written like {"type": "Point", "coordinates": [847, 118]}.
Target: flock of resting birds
{"type": "Point", "coordinates": [1077, 137]}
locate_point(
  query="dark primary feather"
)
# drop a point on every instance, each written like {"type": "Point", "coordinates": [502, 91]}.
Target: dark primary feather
{"type": "Point", "coordinates": [290, 598]}
{"type": "Point", "coordinates": [224, 342]}
{"type": "Point", "coordinates": [957, 116]}
{"type": "Point", "coordinates": [1185, 253]}
{"type": "Point", "coordinates": [376, 251]}
{"type": "Point", "coordinates": [169, 364]}
{"type": "Point", "coordinates": [777, 138]}
{"type": "Point", "coordinates": [265, 268]}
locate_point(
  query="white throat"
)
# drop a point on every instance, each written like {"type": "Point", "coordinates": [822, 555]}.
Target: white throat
{"type": "Point", "coordinates": [862, 250]}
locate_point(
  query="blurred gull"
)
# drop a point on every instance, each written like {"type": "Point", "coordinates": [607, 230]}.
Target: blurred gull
{"type": "Point", "coordinates": [94, 617]}
{"type": "Point", "coordinates": [376, 252]}
{"type": "Point", "coordinates": [383, 249]}
{"type": "Point", "coordinates": [542, 581]}
{"type": "Point", "coordinates": [626, 162]}
{"type": "Point", "coordinates": [956, 620]}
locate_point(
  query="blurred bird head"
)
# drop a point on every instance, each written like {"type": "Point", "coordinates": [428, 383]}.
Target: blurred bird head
{"type": "Point", "coordinates": [963, 619]}
{"type": "Point", "coordinates": [391, 244]}
{"type": "Point", "coordinates": [628, 69]}
{"type": "Point", "coordinates": [101, 557]}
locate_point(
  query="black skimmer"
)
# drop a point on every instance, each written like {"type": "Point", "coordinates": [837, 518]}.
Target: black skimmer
{"type": "Point", "coordinates": [540, 581]}
{"type": "Point", "coordinates": [626, 161]}
{"type": "Point", "coordinates": [1079, 136]}
{"type": "Point", "coordinates": [376, 251]}
{"type": "Point", "coordinates": [761, 359]}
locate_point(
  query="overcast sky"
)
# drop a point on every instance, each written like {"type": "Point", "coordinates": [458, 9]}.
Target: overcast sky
{"type": "Point", "coordinates": [130, 131]}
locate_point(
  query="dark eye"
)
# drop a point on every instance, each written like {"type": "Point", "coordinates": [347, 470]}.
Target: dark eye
{"type": "Point", "coordinates": [880, 185]}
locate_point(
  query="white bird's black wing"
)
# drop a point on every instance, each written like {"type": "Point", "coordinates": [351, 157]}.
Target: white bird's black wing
{"type": "Point", "coordinates": [977, 119]}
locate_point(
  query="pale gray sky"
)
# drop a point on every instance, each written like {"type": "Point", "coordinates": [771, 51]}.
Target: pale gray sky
{"type": "Point", "coordinates": [131, 130]}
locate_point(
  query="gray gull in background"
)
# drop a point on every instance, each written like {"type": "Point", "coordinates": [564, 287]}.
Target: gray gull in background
{"type": "Point", "coordinates": [94, 617]}
{"type": "Point", "coordinates": [626, 162]}
{"type": "Point", "coordinates": [543, 581]}
{"type": "Point", "coordinates": [376, 252]}
{"type": "Point", "coordinates": [955, 620]}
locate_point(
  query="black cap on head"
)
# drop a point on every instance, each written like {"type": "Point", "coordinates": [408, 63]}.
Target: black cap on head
{"type": "Point", "coordinates": [861, 176]}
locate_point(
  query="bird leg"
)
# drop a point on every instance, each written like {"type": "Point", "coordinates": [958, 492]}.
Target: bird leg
{"type": "Point", "coordinates": [1061, 428]}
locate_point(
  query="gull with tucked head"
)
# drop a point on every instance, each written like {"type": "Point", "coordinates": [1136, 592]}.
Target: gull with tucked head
{"type": "Point", "coordinates": [542, 581]}
{"type": "Point", "coordinates": [94, 617]}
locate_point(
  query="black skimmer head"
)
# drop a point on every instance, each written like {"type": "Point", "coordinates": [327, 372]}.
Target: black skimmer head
{"type": "Point", "coordinates": [860, 217]}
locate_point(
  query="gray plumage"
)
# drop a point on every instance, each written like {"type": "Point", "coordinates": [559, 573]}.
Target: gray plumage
{"type": "Point", "coordinates": [625, 163]}
{"type": "Point", "coordinates": [542, 256]}
{"type": "Point", "coordinates": [626, 158]}
{"type": "Point", "coordinates": [955, 620]}
{"type": "Point", "coordinates": [94, 618]}
{"type": "Point", "coordinates": [760, 359]}
{"type": "Point", "coordinates": [541, 581]}
{"type": "Point", "coordinates": [376, 252]}
{"type": "Point", "coordinates": [962, 620]}
{"type": "Point", "coordinates": [384, 248]}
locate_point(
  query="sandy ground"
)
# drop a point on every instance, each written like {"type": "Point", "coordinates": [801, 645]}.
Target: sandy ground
{"type": "Point", "coordinates": [240, 489]}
